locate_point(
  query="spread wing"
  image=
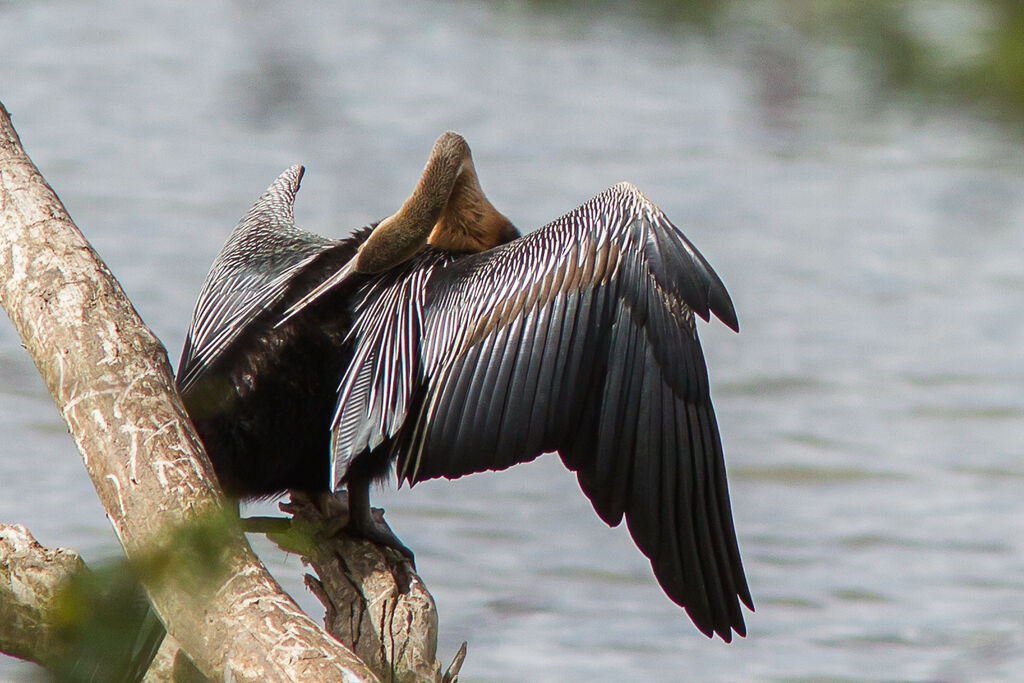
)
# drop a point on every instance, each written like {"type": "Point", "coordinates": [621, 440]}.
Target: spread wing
{"type": "Point", "coordinates": [577, 338]}
{"type": "Point", "coordinates": [250, 274]}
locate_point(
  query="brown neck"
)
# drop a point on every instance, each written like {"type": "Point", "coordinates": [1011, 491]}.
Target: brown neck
{"type": "Point", "coordinates": [447, 210]}
{"type": "Point", "coordinates": [469, 222]}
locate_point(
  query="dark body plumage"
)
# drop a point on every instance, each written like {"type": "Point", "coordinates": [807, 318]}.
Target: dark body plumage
{"type": "Point", "coordinates": [261, 397]}
{"type": "Point", "coordinates": [578, 338]}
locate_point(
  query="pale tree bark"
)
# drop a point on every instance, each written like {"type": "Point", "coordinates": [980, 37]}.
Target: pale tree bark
{"type": "Point", "coordinates": [111, 381]}
{"type": "Point", "coordinates": [375, 603]}
{"type": "Point", "coordinates": [30, 579]}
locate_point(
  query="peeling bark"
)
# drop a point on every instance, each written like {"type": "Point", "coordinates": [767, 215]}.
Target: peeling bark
{"type": "Point", "coordinates": [30, 578]}
{"type": "Point", "coordinates": [111, 381]}
{"type": "Point", "coordinates": [375, 602]}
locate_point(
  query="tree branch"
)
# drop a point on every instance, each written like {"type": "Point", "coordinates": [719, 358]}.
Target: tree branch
{"type": "Point", "coordinates": [30, 578]}
{"type": "Point", "coordinates": [375, 602]}
{"type": "Point", "coordinates": [111, 381]}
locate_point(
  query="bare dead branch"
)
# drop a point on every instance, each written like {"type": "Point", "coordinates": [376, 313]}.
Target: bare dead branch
{"type": "Point", "coordinates": [111, 381]}
{"type": "Point", "coordinates": [30, 578]}
{"type": "Point", "coordinates": [375, 602]}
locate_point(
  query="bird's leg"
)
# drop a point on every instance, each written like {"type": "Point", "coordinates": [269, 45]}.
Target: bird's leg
{"type": "Point", "coordinates": [363, 522]}
{"type": "Point", "coordinates": [333, 507]}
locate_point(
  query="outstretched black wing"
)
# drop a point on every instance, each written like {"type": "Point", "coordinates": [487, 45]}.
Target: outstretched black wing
{"type": "Point", "coordinates": [250, 274]}
{"type": "Point", "coordinates": [580, 338]}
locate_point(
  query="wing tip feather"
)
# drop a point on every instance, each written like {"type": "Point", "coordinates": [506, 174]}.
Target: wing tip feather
{"type": "Point", "coordinates": [721, 305]}
{"type": "Point", "coordinates": [280, 196]}
{"type": "Point", "coordinates": [717, 299]}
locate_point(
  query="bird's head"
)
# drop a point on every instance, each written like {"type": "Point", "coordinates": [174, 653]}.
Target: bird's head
{"type": "Point", "coordinates": [447, 210]}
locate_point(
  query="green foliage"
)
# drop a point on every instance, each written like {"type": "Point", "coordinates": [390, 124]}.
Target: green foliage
{"type": "Point", "coordinates": [939, 51]}
{"type": "Point", "coordinates": [104, 617]}
{"type": "Point", "coordinates": [106, 621]}
{"type": "Point", "coordinates": [999, 75]}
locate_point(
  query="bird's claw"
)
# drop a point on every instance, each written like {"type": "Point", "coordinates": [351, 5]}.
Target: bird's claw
{"type": "Point", "coordinates": [340, 518]}
{"type": "Point", "coordinates": [378, 531]}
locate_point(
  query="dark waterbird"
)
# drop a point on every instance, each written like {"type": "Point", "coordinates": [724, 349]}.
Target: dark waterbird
{"type": "Point", "coordinates": [443, 343]}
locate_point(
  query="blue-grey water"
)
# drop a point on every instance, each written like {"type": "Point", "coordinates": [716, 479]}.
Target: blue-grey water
{"type": "Point", "coordinates": [872, 408]}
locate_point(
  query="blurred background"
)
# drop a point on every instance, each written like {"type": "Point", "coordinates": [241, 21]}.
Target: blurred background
{"type": "Point", "coordinates": [854, 171]}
